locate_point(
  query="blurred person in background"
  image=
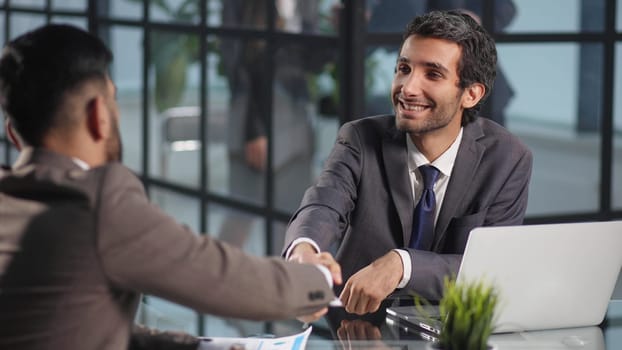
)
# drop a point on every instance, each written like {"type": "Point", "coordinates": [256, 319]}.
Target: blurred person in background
{"type": "Point", "coordinates": [244, 62]}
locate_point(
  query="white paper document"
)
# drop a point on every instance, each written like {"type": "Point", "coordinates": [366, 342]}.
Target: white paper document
{"type": "Point", "coordinates": [292, 342]}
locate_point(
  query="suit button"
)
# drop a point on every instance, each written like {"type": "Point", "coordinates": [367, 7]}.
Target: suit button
{"type": "Point", "coordinates": [316, 295]}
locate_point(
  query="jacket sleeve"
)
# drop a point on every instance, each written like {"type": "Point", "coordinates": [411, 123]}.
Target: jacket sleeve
{"type": "Point", "coordinates": [145, 250]}
{"type": "Point", "coordinates": [326, 206]}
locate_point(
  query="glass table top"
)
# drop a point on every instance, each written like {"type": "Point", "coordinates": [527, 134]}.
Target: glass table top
{"type": "Point", "coordinates": [339, 330]}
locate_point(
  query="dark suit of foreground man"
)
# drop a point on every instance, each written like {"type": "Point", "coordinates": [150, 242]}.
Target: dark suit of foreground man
{"type": "Point", "coordinates": [79, 239]}
{"type": "Point", "coordinates": [365, 198]}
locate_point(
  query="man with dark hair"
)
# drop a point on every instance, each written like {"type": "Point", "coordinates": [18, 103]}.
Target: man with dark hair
{"type": "Point", "coordinates": [393, 16]}
{"type": "Point", "coordinates": [79, 240]}
{"type": "Point", "coordinates": [400, 193]}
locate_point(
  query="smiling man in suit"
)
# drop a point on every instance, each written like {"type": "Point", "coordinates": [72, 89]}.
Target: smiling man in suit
{"type": "Point", "coordinates": [400, 193]}
{"type": "Point", "coordinates": [79, 239]}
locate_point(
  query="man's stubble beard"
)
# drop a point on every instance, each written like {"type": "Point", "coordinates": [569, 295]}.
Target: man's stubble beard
{"type": "Point", "coordinates": [435, 122]}
{"type": "Point", "coordinates": [439, 119]}
{"type": "Point", "coordinates": [114, 146]}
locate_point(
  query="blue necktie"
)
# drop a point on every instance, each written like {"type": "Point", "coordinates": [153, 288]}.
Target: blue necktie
{"type": "Point", "coordinates": [423, 220]}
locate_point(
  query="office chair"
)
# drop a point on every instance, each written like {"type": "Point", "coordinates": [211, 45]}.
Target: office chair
{"type": "Point", "coordinates": [180, 133]}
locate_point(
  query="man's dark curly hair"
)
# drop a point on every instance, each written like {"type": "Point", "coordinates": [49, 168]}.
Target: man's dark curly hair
{"type": "Point", "coordinates": [479, 56]}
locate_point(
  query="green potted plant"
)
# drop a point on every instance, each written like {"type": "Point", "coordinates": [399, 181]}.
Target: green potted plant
{"type": "Point", "coordinates": [467, 315]}
{"type": "Point", "coordinates": [172, 52]}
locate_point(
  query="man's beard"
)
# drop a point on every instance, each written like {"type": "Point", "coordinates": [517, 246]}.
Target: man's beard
{"type": "Point", "coordinates": [438, 122]}
{"type": "Point", "coordinates": [114, 148]}
{"type": "Point", "coordinates": [440, 117]}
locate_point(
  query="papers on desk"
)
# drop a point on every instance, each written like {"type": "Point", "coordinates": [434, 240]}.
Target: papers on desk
{"type": "Point", "coordinates": [292, 342]}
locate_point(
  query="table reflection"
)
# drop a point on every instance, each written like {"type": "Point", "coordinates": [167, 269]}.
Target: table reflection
{"type": "Point", "coordinates": [342, 331]}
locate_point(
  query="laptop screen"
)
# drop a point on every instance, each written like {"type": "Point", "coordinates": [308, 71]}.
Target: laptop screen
{"type": "Point", "coordinates": [548, 276]}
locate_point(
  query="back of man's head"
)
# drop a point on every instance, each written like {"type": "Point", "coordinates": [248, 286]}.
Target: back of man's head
{"type": "Point", "coordinates": [38, 68]}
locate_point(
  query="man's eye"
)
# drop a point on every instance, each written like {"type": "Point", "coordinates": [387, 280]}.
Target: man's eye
{"type": "Point", "coordinates": [403, 69]}
{"type": "Point", "coordinates": [434, 75]}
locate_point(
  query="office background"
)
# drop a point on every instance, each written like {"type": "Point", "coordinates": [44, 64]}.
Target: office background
{"type": "Point", "coordinates": [182, 71]}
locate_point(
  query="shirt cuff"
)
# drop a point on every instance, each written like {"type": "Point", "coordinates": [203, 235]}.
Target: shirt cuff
{"type": "Point", "coordinates": [406, 264]}
{"type": "Point", "coordinates": [298, 241]}
{"type": "Point", "coordinates": [327, 275]}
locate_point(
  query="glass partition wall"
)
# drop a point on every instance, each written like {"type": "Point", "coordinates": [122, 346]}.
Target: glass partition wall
{"type": "Point", "coordinates": [229, 108]}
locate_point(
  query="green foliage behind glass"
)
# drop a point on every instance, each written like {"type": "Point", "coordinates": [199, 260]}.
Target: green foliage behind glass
{"type": "Point", "coordinates": [172, 53]}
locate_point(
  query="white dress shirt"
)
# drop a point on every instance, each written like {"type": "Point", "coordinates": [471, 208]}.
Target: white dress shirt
{"type": "Point", "coordinates": [445, 164]}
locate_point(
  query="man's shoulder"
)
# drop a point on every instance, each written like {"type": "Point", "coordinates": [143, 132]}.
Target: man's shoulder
{"type": "Point", "coordinates": [373, 126]}
{"type": "Point", "coordinates": [115, 170]}
{"type": "Point", "coordinates": [373, 132]}
{"type": "Point", "coordinates": [111, 173]}
{"type": "Point", "coordinates": [385, 120]}
{"type": "Point", "coordinates": [75, 179]}
{"type": "Point", "coordinates": [116, 175]}
{"type": "Point", "coordinates": [106, 182]}
{"type": "Point", "coordinates": [488, 132]}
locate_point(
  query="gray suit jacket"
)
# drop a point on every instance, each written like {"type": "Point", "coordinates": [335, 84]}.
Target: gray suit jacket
{"type": "Point", "coordinates": [77, 247]}
{"type": "Point", "coordinates": [363, 203]}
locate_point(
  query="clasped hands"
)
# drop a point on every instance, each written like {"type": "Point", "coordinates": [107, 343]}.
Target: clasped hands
{"type": "Point", "coordinates": [364, 291]}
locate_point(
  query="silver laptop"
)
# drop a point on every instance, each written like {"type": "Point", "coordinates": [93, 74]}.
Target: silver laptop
{"type": "Point", "coordinates": [548, 276]}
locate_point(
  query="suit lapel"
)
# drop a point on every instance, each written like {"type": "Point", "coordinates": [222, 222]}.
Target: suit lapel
{"type": "Point", "coordinates": [395, 157]}
{"type": "Point", "coordinates": [467, 161]}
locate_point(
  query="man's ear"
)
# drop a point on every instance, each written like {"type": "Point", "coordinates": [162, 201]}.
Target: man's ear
{"type": "Point", "coordinates": [98, 120]}
{"type": "Point", "coordinates": [13, 137]}
{"type": "Point", "coordinates": [472, 95]}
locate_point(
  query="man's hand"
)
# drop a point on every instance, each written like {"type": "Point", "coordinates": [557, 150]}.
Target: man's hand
{"type": "Point", "coordinates": [302, 252]}
{"type": "Point", "coordinates": [367, 288]}
{"type": "Point", "coordinates": [356, 330]}
{"type": "Point", "coordinates": [255, 152]}
{"type": "Point", "coordinates": [305, 253]}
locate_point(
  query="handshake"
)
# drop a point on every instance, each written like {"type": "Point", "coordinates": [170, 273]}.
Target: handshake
{"type": "Point", "coordinates": [364, 291]}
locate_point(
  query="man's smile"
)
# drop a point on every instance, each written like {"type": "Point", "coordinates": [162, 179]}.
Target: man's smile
{"type": "Point", "coordinates": [414, 106]}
